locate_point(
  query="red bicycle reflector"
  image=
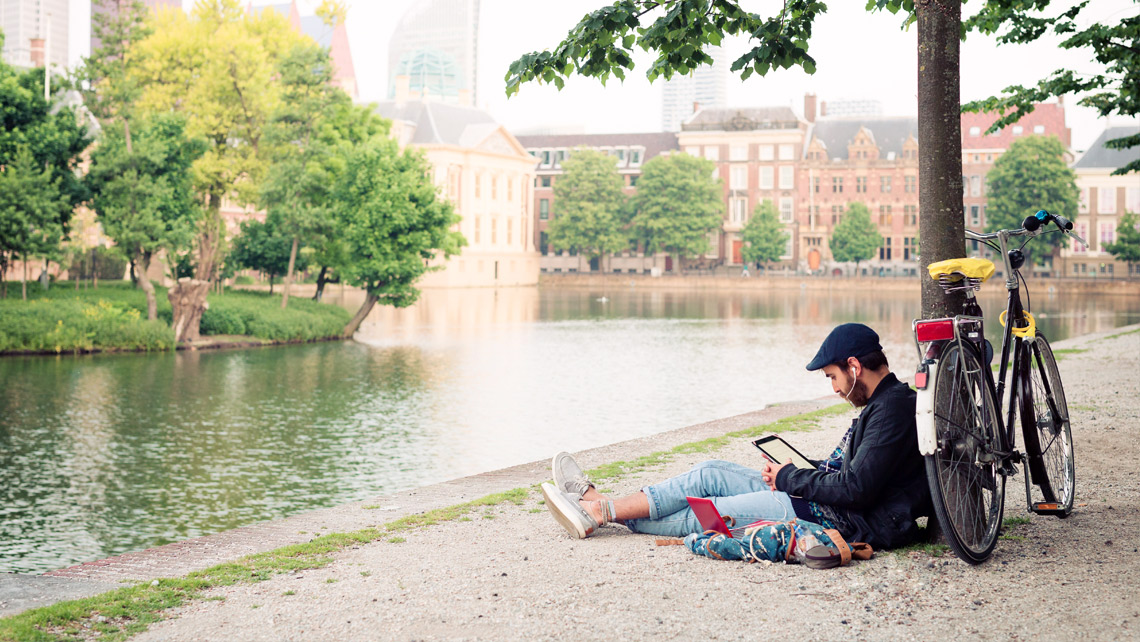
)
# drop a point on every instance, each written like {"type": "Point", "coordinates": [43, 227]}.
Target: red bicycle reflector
{"type": "Point", "coordinates": [920, 380]}
{"type": "Point", "coordinates": [940, 330]}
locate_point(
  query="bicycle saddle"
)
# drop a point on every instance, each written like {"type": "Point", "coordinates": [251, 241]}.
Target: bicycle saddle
{"type": "Point", "coordinates": [956, 269]}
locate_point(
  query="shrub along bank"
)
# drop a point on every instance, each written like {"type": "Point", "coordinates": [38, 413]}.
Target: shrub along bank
{"type": "Point", "coordinates": [112, 317]}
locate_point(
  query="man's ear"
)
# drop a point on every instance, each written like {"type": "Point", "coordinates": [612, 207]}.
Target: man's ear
{"type": "Point", "coordinates": [854, 366]}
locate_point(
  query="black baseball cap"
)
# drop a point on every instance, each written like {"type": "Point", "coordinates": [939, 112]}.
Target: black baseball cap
{"type": "Point", "coordinates": [845, 341]}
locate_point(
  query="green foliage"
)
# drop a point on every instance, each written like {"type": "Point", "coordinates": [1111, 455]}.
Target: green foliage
{"type": "Point", "coordinates": [54, 140]}
{"type": "Point", "coordinates": [1030, 176]}
{"type": "Point", "coordinates": [1127, 244]}
{"type": "Point", "coordinates": [855, 238]}
{"type": "Point", "coordinates": [261, 246]}
{"type": "Point", "coordinates": [677, 32]}
{"type": "Point", "coordinates": [104, 78]}
{"type": "Point", "coordinates": [678, 203]}
{"type": "Point", "coordinates": [145, 198]}
{"type": "Point", "coordinates": [764, 236]}
{"type": "Point", "coordinates": [45, 325]}
{"type": "Point", "coordinates": [263, 317]}
{"type": "Point", "coordinates": [106, 263]}
{"type": "Point", "coordinates": [32, 207]}
{"type": "Point", "coordinates": [392, 221]}
{"type": "Point", "coordinates": [1112, 44]}
{"type": "Point", "coordinates": [590, 201]}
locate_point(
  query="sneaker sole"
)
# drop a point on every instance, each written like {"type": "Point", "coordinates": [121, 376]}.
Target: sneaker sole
{"type": "Point", "coordinates": [563, 512]}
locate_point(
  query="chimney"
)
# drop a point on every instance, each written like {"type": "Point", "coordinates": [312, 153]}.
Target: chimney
{"type": "Point", "coordinates": [696, 106]}
{"type": "Point", "coordinates": [403, 88]}
{"type": "Point", "coordinates": [809, 107]}
{"type": "Point", "coordinates": [37, 47]}
{"type": "Point", "coordinates": [822, 108]}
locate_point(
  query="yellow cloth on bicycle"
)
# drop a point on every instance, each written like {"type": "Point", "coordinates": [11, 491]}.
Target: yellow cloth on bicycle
{"type": "Point", "coordinates": [972, 268]}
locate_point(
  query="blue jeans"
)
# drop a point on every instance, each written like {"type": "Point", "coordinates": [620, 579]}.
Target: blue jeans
{"type": "Point", "coordinates": [735, 490]}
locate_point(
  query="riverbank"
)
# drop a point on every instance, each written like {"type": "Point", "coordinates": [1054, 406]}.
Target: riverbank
{"type": "Point", "coordinates": [781, 281]}
{"type": "Point", "coordinates": [480, 558]}
{"type": "Point", "coordinates": [111, 318]}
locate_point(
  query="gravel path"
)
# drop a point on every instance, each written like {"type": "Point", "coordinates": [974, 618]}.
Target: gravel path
{"type": "Point", "coordinates": [512, 573]}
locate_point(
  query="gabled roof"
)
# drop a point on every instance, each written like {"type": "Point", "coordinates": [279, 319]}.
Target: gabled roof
{"type": "Point", "coordinates": [437, 123]}
{"type": "Point", "coordinates": [1099, 156]}
{"type": "Point", "coordinates": [654, 143]}
{"type": "Point", "coordinates": [742, 119]}
{"type": "Point", "coordinates": [889, 133]}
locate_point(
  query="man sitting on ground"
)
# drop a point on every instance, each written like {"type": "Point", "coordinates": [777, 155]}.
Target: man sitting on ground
{"type": "Point", "coordinates": [871, 488]}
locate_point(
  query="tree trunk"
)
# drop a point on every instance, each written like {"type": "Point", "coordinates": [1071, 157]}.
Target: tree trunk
{"type": "Point", "coordinates": [94, 270]}
{"type": "Point", "coordinates": [135, 275]}
{"type": "Point", "coordinates": [147, 287]}
{"type": "Point", "coordinates": [939, 148]}
{"type": "Point", "coordinates": [289, 274]}
{"type": "Point", "coordinates": [24, 282]}
{"type": "Point", "coordinates": [271, 284]}
{"type": "Point", "coordinates": [188, 302]}
{"type": "Point", "coordinates": [320, 284]}
{"type": "Point", "coordinates": [353, 325]}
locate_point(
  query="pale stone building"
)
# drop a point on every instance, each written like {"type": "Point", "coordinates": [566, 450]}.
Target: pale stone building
{"type": "Point", "coordinates": [1104, 198]}
{"type": "Point", "coordinates": [487, 175]}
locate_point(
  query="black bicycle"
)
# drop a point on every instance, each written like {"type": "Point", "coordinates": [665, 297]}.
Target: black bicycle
{"type": "Point", "coordinates": [969, 449]}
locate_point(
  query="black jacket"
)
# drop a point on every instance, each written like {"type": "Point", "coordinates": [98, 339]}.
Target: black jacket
{"type": "Point", "coordinates": [881, 489]}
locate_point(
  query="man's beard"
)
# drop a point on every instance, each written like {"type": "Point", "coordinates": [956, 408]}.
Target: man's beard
{"type": "Point", "coordinates": [858, 395]}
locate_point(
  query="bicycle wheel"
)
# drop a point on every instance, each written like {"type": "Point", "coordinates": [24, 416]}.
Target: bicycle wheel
{"type": "Point", "coordinates": [966, 487]}
{"type": "Point", "coordinates": [1045, 425]}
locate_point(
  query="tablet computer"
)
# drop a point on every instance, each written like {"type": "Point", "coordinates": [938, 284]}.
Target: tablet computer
{"type": "Point", "coordinates": [778, 451]}
{"type": "Point", "coordinates": [708, 515]}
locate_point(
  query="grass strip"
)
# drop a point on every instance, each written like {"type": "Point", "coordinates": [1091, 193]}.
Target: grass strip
{"type": "Point", "coordinates": [122, 613]}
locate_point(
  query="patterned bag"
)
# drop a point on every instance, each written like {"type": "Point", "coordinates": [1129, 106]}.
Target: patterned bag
{"type": "Point", "coordinates": [795, 541]}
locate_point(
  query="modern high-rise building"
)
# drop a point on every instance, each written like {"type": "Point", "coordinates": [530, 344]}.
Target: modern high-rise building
{"type": "Point", "coordinates": [704, 87]}
{"type": "Point", "coordinates": [99, 7]}
{"type": "Point", "coordinates": [26, 25]}
{"type": "Point", "coordinates": [435, 46]}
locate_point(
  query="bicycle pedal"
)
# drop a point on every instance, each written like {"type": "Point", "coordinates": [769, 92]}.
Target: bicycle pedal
{"type": "Point", "coordinates": [1048, 508]}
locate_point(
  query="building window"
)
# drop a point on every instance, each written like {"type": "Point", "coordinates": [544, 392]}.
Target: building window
{"type": "Point", "coordinates": [545, 181]}
{"type": "Point", "coordinates": [836, 184]}
{"type": "Point", "coordinates": [975, 131]}
{"type": "Point", "coordinates": [975, 185]}
{"type": "Point", "coordinates": [836, 214]}
{"type": "Point", "coordinates": [543, 209]}
{"type": "Point", "coordinates": [494, 188]}
{"type": "Point", "coordinates": [885, 217]}
{"type": "Point", "coordinates": [910, 247]}
{"type": "Point", "coordinates": [1132, 200]}
{"type": "Point", "coordinates": [633, 180]}
{"type": "Point", "coordinates": [885, 184]}
{"type": "Point", "coordinates": [546, 158]}
{"type": "Point", "coordinates": [1018, 130]}
{"type": "Point", "coordinates": [767, 153]}
{"type": "Point", "coordinates": [635, 156]}
{"type": "Point", "coordinates": [712, 153]}
{"type": "Point", "coordinates": [815, 184]}
{"type": "Point", "coordinates": [885, 250]}
{"type": "Point", "coordinates": [787, 177]}
{"type": "Point", "coordinates": [787, 211]}
{"type": "Point", "coordinates": [1106, 200]}
{"type": "Point", "coordinates": [494, 229]}
{"type": "Point", "coordinates": [738, 153]}
{"type": "Point", "coordinates": [693, 150]}
{"type": "Point", "coordinates": [738, 179]}
{"type": "Point", "coordinates": [860, 184]}
{"type": "Point", "coordinates": [975, 216]}
{"type": "Point", "coordinates": [509, 230]}
{"type": "Point", "coordinates": [910, 184]}
{"type": "Point", "coordinates": [510, 189]}
{"type": "Point", "coordinates": [739, 210]}
{"type": "Point", "coordinates": [543, 243]}
{"type": "Point", "coordinates": [787, 152]}
{"type": "Point", "coordinates": [1081, 230]}
{"type": "Point", "coordinates": [477, 220]}
{"type": "Point", "coordinates": [766, 177]}
{"type": "Point", "coordinates": [1083, 201]}
{"type": "Point", "coordinates": [1039, 129]}
{"type": "Point", "coordinates": [910, 215]}
{"type": "Point", "coordinates": [1107, 234]}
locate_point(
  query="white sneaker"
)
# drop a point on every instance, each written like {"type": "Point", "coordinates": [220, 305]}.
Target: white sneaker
{"type": "Point", "coordinates": [568, 512]}
{"type": "Point", "coordinates": [568, 475]}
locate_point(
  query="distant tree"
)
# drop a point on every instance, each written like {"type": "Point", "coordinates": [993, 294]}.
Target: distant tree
{"type": "Point", "coordinates": [1113, 43]}
{"type": "Point", "coordinates": [1030, 176]}
{"type": "Point", "coordinates": [32, 206]}
{"type": "Point", "coordinates": [855, 238]}
{"type": "Point", "coordinates": [262, 246]}
{"type": "Point", "coordinates": [393, 223]}
{"type": "Point", "coordinates": [764, 237]}
{"type": "Point", "coordinates": [1127, 244]}
{"type": "Point", "coordinates": [144, 197]}
{"type": "Point", "coordinates": [590, 200]}
{"type": "Point", "coordinates": [105, 77]}
{"type": "Point", "coordinates": [678, 203]}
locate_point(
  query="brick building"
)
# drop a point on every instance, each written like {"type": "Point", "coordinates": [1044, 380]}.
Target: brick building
{"type": "Point", "coordinates": [757, 152]}
{"type": "Point", "coordinates": [630, 152]}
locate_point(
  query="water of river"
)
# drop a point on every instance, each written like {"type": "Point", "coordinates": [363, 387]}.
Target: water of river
{"type": "Point", "coordinates": [101, 455]}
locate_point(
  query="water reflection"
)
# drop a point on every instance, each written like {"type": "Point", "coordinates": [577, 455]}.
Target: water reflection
{"type": "Point", "coordinates": [105, 454]}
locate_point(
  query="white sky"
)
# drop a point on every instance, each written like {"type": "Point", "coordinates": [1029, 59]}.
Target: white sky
{"type": "Point", "coordinates": [858, 55]}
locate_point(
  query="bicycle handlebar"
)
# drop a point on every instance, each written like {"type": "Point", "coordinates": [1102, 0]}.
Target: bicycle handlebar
{"type": "Point", "coordinates": [1031, 226]}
